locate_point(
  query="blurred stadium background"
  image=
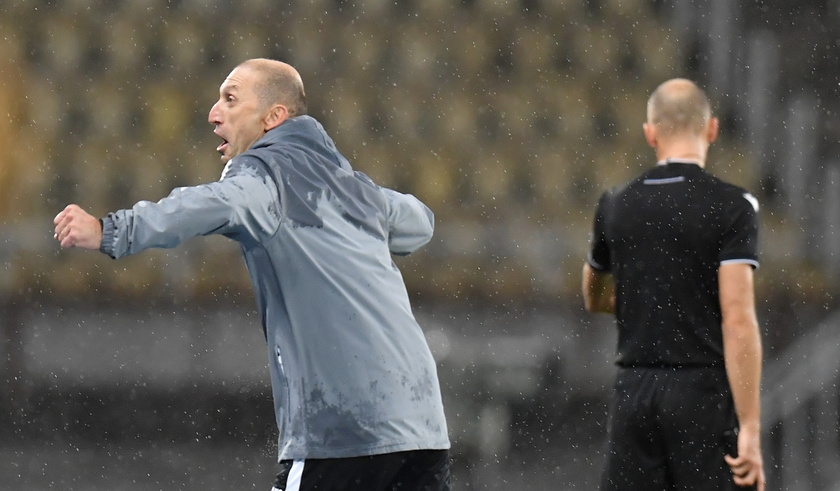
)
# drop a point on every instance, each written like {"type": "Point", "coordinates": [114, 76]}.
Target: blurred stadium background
{"type": "Point", "coordinates": [508, 117]}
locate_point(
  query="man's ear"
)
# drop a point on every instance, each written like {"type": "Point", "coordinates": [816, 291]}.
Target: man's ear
{"type": "Point", "coordinates": [650, 134]}
{"type": "Point", "coordinates": [275, 116]}
{"type": "Point", "coordinates": [712, 128]}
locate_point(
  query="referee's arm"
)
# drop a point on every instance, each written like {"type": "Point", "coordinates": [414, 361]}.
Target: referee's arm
{"type": "Point", "coordinates": [742, 354]}
{"type": "Point", "coordinates": [598, 288]}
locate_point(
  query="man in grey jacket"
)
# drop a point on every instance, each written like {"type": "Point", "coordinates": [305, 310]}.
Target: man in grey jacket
{"type": "Point", "coordinates": [356, 394]}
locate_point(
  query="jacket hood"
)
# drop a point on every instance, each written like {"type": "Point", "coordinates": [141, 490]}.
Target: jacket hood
{"type": "Point", "coordinates": [304, 132]}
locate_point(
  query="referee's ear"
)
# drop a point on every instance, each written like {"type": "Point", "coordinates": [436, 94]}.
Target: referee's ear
{"type": "Point", "coordinates": [712, 128]}
{"type": "Point", "coordinates": [650, 134]}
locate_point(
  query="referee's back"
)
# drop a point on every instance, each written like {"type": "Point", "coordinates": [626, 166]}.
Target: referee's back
{"type": "Point", "coordinates": [665, 233]}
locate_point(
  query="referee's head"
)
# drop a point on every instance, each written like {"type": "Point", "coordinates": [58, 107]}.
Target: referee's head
{"type": "Point", "coordinates": [679, 111]}
{"type": "Point", "coordinates": [679, 106]}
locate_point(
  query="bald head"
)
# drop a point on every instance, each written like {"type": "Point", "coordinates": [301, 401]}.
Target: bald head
{"type": "Point", "coordinates": [278, 83]}
{"type": "Point", "coordinates": [678, 107]}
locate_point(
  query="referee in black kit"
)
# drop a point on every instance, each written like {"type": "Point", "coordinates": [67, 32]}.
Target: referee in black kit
{"type": "Point", "coordinates": [672, 256]}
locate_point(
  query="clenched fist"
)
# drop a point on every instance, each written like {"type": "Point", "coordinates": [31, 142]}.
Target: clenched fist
{"type": "Point", "coordinates": [74, 227]}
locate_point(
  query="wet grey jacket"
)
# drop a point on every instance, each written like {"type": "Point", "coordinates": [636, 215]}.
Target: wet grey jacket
{"type": "Point", "coordinates": [351, 372]}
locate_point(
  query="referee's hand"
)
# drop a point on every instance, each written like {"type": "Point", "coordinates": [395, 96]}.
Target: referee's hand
{"type": "Point", "coordinates": [748, 467]}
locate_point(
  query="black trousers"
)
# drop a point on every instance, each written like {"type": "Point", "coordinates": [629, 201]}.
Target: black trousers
{"type": "Point", "coordinates": [417, 470]}
{"type": "Point", "coordinates": [669, 430]}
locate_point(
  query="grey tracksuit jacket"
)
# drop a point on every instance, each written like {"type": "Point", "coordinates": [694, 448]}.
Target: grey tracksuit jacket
{"type": "Point", "coordinates": [351, 371]}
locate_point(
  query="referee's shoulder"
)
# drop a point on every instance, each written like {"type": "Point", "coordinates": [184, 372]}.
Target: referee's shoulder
{"type": "Point", "coordinates": [734, 193]}
{"type": "Point", "coordinates": [619, 189]}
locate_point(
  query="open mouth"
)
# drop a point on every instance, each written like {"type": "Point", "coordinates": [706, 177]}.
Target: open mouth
{"type": "Point", "coordinates": [222, 147]}
{"type": "Point", "coordinates": [225, 143]}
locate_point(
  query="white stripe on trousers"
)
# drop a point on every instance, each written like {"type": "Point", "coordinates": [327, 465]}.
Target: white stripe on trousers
{"type": "Point", "coordinates": [294, 478]}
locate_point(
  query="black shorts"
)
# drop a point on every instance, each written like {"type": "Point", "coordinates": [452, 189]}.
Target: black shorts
{"type": "Point", "coordinates": [669, 430]}
{"type": "Point", "coordinates": [417, 470]}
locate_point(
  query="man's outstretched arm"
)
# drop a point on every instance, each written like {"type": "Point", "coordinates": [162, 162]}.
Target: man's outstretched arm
{"type": "Point", "coordinates": [239, 203]}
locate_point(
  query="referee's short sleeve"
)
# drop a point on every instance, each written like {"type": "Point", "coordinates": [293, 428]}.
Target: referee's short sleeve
{"type": "Point", "coordinates": [599, 253]}
{"type": "Point", "coordinates": [740, 238]}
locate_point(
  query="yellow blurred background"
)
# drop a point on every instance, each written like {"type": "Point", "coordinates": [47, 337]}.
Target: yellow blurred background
{"type": "Point", "coordinates": [506, 118]}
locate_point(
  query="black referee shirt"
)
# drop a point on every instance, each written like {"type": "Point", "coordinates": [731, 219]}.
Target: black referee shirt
{"type": "Point", "coordinates": [663, 236]}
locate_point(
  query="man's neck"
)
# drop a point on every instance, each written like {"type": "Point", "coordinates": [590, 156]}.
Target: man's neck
{"type": "Point", "coordinates": [690, 153]}
{"type": "Point", "coordinates": [682, 160]}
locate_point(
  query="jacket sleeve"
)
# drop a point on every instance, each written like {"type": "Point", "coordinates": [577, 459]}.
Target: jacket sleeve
{"type": "Point", "coordinates": [410, 222]}
{"type": "Point", "coordinates": [244, 201]}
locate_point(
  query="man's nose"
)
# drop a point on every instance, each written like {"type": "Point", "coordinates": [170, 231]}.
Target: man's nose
{"type": "Point", "coordinates": [214, 117]}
